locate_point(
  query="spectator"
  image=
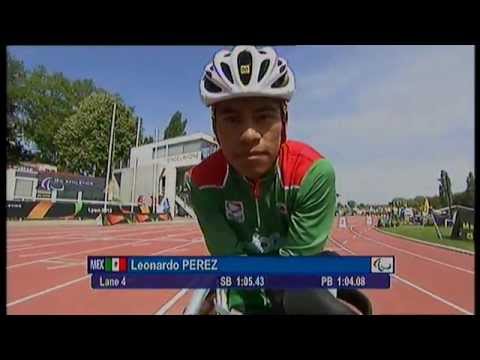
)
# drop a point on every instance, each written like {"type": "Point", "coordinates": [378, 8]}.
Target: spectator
{"type": "Point", "coordinates": [159, 205]}
{"type": "Point", "coordinates": [166, 208]}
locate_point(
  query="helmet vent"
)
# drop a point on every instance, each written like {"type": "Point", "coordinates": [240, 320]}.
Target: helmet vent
{"type": "Point", "coordinates": [210, 86]}
{"type": "Point", "coordinates": [282, 81]}
{"type": "Point", "coordinates": [263, 69]}
{"type": "Point", "coordinates": [226, 71]}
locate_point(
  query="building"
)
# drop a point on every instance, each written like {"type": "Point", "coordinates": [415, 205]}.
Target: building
{"type": "Point", "coordinates": [35, 181]}
{"type": "Point", "coordinates": [38, 166]}
{"type": "Point", "coordinates": [164, 164]}
{"type": "Point", "coordinates": [160, 168]}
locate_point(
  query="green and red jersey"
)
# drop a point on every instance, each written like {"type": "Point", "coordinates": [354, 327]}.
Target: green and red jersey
{"type": "Point", "coordinates": [290, 211]}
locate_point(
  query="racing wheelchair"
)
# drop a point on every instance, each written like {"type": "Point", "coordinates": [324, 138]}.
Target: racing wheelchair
{"type": "Point", "coordinates": [293, 302]}
{"type": "Point", "coordinates": [343, 301]}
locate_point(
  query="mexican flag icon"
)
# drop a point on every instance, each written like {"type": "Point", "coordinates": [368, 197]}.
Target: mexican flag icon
{"type": "Point", "coordinates": [116, 264]}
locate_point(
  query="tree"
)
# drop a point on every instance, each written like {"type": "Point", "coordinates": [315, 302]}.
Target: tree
{"type": "Point", "coordinates": [466, 198]}
{"type": "Point", "coordinates": [16, 75]}
{"type": "Point", "coordinates": [441, 193]}
{"type": "Point", "coordinates": [470, 192]}
{"type": "Point", "coordinates": [471, 189]}
{"type": "Point", "coordinates": [434, 202]}
{"type": "Point", "coordinates": [143, 138]}
{"type": "Point", "coordinates": [351, 204]}
{"type": "Point", "coordinates": [48, 100]}
{"type": "Point", "coordinates": [417, 202]}
{"type": "Point", "coordinates": [83, 139]}
{"type": "Point", "coordinates": [470, 182]}
{"type": "Point", "coordinates": [147, 140]}
{"type": "Point", "coordinates": [445, 190]}
{"type": "Point", "coordinates": [176, 126]}
{"type": "Point", "coordinates": [399, 202]}
{"type": "Point", "coordinates": [463, 199]}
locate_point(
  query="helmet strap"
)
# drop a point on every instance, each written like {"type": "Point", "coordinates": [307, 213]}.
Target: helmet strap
{"type": "Point", "coordinates": [213, 125]}
{"type": "Point", "coordinates": [284, 122]}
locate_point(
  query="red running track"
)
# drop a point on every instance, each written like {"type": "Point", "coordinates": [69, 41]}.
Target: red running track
{"type": "Point", "coordinates": [46, 269]}
{"type": "Point", "coordinates": [427, 280]}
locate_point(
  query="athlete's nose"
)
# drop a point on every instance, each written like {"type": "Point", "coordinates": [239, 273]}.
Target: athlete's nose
{"type": "Point", "coordinates": [250, 135]}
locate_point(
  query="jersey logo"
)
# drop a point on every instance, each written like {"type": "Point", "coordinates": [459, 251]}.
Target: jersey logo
{"type": "Point", "coordinates": [234, 211]}
{"type": "Point", "coordinates": [264, 244]}
{"type": "Point", "coordinates": [282, 208]}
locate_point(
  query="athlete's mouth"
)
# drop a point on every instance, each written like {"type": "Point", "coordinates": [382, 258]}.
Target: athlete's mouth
{"type": "Point", "coordinates": [252, 154]}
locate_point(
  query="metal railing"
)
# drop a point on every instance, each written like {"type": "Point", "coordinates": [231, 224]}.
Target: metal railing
{"type": "Point", "coordinates": [185, 204]}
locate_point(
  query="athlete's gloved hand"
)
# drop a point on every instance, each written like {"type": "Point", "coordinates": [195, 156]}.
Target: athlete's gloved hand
{"type": "Point", "coordinates": [208, 306]}
{"type": "Point", "coordinates": [314, 302]}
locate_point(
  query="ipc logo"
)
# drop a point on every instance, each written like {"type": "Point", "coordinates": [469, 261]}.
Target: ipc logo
{"type": "Point", "coordinates": [382, 264]}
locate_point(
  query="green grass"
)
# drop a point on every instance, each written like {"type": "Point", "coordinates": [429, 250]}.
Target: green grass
{"type": "Point", "coordinates": [427, 233]}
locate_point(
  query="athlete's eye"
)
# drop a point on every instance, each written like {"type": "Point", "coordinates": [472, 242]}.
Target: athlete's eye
{"type": "Point", "coordinates": [264, 116]}
{"type": "Point", "coordinates": [231, 120]}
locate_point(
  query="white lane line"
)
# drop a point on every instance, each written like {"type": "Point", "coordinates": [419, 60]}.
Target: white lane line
{"type": "Point", "coordinates": [174, 248]}
{"type": "Point", "coordinates": [183, 234]}
{"type": "Point", "coordinates": [9, 248]}
{"type": "Point", "coordinates": [153, 233]}
{"type": "Point", "coordinates": [171, 302]}
{"type": "Point", "coordinates": [114, 234]}
{"type": "Point", "coordinates": [456, 307]}
{"type": "Point", "coordinates": [38, 254]}
{"type": "Point", "coordinates": [66, 260]}
{"type": "Point", "coordinates": [75, 253]}
{"type": "Point", "coordinates": [150, 235]}
{"type": "Point", "coordinates": [416, 287]}
{"type": "Point", "coordinates": [417, 255]}
{"type": "Point", "coordinates": [47, 245]}
{"type": "Point", "coordinates": [333, 248]}
{"type": "Point", "coordinates": [64, 266]}
{"type": "Point", "coordinates": [89, 231]}
{"type": "Point", "coordinates": [144, 244]}
{"type": "Point", "coordinates": [341, 246]}
{"type": "Point", "coordinates": [19, 301]}
{"type": "Point", "coordinates": [182, 250]}
{"type": "Point", "coordinates": [182, 292]}
{"type": "Point", "coordinates": [430, 244]}
{"type": "Point", "coordinates": [164, 308]}
{"type": "Point", "coordinates": [167, 240]}
{"type": "Point", "coordinates": [53, 261]}
{"type": "Point", "coordinates": [40, 237]}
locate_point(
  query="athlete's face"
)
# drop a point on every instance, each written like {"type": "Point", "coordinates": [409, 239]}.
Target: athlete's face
{"type": "Point", "coordinates": [249, 131]}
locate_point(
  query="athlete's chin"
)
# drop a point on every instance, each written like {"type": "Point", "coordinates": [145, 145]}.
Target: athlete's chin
{"type": "Point", "coordinates": [253, 170]}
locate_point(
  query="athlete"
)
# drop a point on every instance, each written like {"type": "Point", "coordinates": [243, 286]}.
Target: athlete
{"type": "Point", "coordinates": [260, 193]}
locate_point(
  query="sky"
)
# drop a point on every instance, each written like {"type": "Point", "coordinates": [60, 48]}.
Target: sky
{"type": "Point", "coordinates": [389, 118]}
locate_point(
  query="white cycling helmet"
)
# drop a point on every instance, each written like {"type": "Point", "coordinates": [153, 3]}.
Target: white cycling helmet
{"type": "Point", "coordinates": [246, 71]}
